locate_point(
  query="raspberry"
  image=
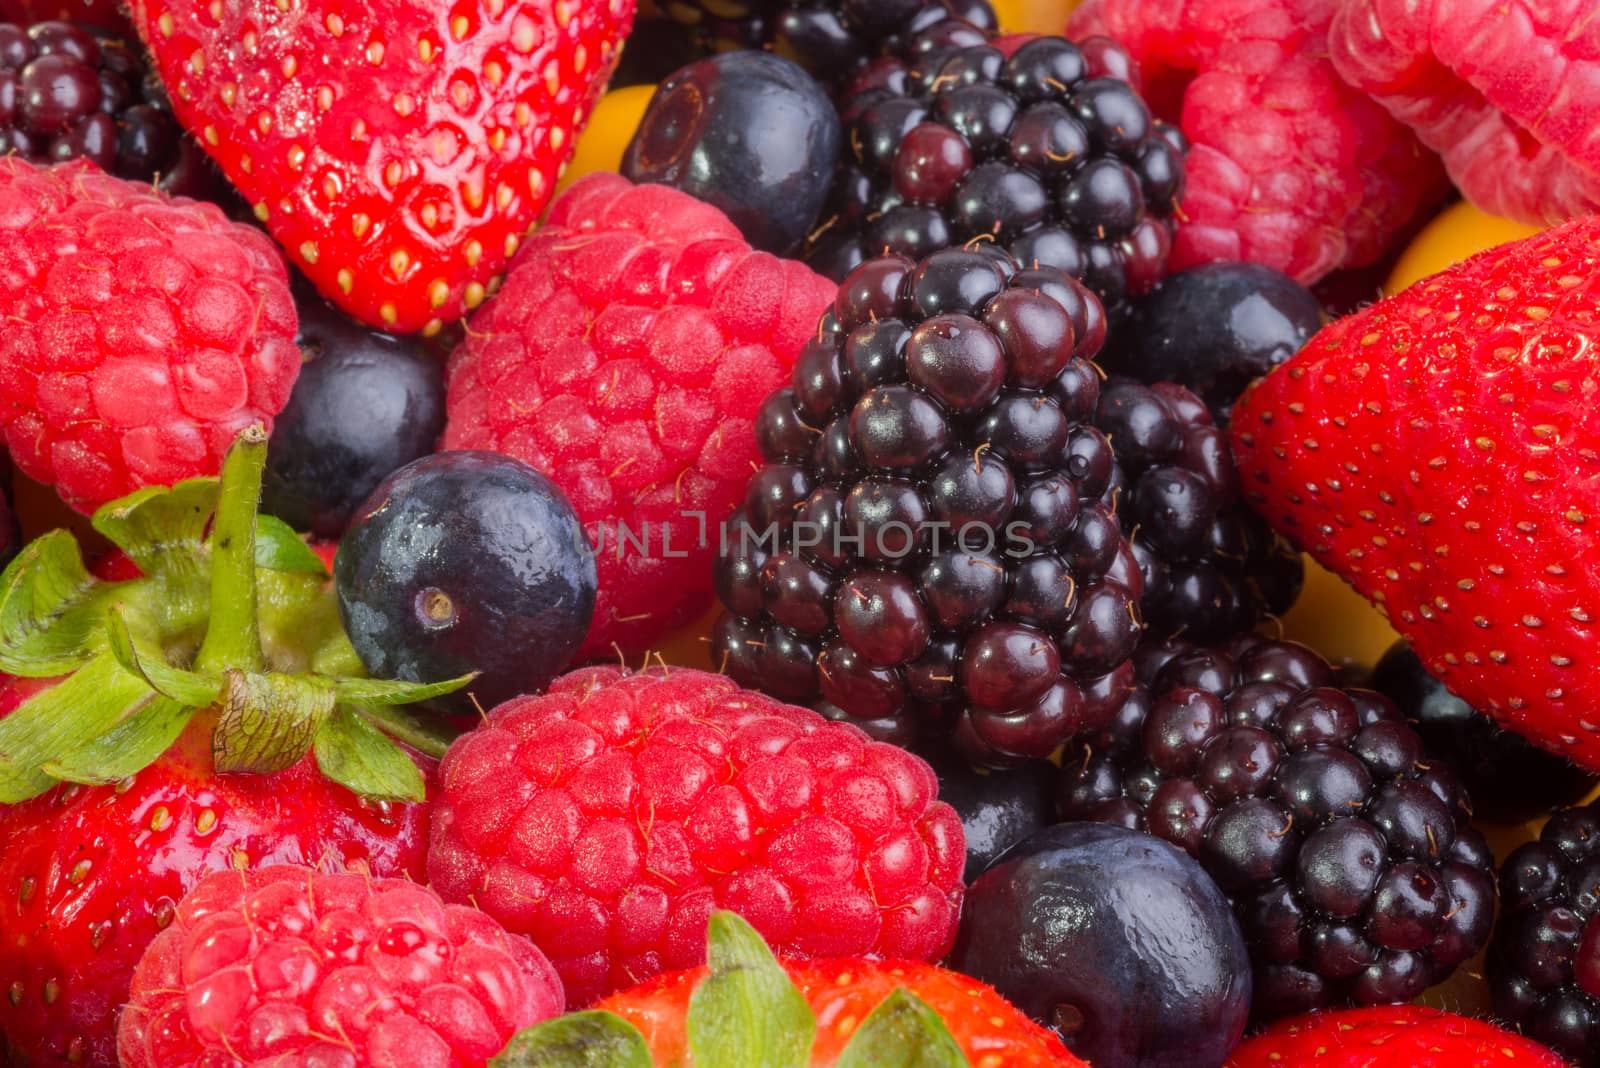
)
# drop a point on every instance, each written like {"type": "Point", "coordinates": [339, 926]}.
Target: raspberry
{"type": "Point", "coordinates": [1289, 167]}
{"type": "Point", "coordinates": [625, 357]}
{"type": "Point", "coordinates": [609, 817]}
{"type": "Point", "coordinates": [142, 333]}
{"type": "Point", "coordinates": [1505, 92]}
{"type": "Point", "coordinates": [287, 965]}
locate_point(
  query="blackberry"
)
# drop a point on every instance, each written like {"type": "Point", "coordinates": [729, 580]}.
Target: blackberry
{"type": "Point", "coordinates": [1211, 566]}
{"type": "Point", "coordinates": [830, 38]}
{"type": "Point", "coordinates": [926, 541]}
{"type": "Point", "coordinates": [1544, 966]}
{"type": "Point", "coordinates": [67, 92]}
{"type": "Point", "coordinates": [1345, 850]}
{"type": "Point", "coordinates": [1510, 779]}
{"type": "Point", "coordinates": [1049, 153]}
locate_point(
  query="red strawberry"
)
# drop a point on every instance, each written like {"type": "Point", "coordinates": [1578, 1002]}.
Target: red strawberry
{"type": "Point", "coordinates": [179, 767]}
{"type": "Point", "coordinates": [142, 333]}
{"type": "Point", "coordinates": [398, 150]}
{"type": "Point", "coordinates": [883, 1012]}
{"type": "Point", "coordinates": [288, 966]}
{"type": "Point", "coordinates": [1400, 1036]}
{"type": "Point", "coordinates": [607, 818]}
{"type": "Point", "coordinates": [635, 341]}
{"type": "Point", "coordinates": [1441, 451]}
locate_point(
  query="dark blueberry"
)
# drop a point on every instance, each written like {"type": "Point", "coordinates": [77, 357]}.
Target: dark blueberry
{"type": "Point", "coordinates": [1115, 939]}
{"type": "Point", "coordinates": [466, 562]}
{"type": "Point", "coordinates": [998, 809]}
{"type": "Point", "coordinates": [1213, 328]}
{"type": "Point", "coordinates": [1510, 779]}
{"type": "Point", "coordinates": [365, 404]}
{"type": "Point", "coordinates": [748, 132]}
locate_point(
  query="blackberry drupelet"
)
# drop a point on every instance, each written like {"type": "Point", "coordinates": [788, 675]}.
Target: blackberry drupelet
{"type": "Point", "coordinates": [926, 541]}
{"type": "Point", "coordinates": [1049, 153]}
{"type": "Point", "coordinates": [1510, 779]}
{"type": "Point", "coordinates": [67, 92]}
{"type": "Point", "coordinates": [1212, 567]}
{"type": "Point", "coordinates": [1344, 848]}
{"type": "Point", "coordinates": [1544, 966]}
{"type": "Point", "coordinates": [830, 38]}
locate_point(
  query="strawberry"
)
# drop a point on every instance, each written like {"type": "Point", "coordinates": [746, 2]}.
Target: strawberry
{"type": "Point", "coordinates": [189, 706]}
{"type": "Point", "coordinates": [1398, 1036]}
{"type": "Point", "coordinates": [1441, 451]}
{"type": "Point", "coordinates": [398, 150]}
{"type": "Point", "coordinates": [746, 1007]}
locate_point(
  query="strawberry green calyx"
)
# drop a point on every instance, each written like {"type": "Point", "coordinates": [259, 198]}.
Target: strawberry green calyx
{"type": "Point", "coordinates": [232, 625]}
{"type": "Point", "coordinates": [746, 1011]}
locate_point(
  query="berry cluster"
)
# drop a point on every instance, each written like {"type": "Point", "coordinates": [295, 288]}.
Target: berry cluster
{"type": "Point", "coordinates": [1345, 850]}
{"type": "Point", "coordinates": [1047, 152]}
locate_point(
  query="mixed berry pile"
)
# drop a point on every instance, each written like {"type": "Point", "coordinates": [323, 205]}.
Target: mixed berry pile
{"type": "Point", "coordinates": [799, 532]}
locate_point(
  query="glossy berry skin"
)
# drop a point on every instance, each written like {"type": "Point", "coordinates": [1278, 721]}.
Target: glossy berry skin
{"type": "Point", "coordinates": [1359, 461]}
{"type": "Point", "coordinates": [923, 548]}
{"type": "Point", "coordinates": [998, 809]}
{"type": "Point", "coordinates": [609, 817]}
{"type": "Point", "coordinates": [75, 931]}
{"type": "Point", "coordinates": [1118, 941]}
{"type": "Point", "coordinates": [1215, 329]}
{"type": "Point", "coordinates": [466, 562]}
{"type": "Point", "coordinates": [830, 38]}
{"type": "Point", "coordinates": [365, 404]}
{"type": "Point", "coordinates": [1211, 566]}
{"type": "Point", "coordinates": [146, 332]}
{"type": "Point", "coordinates": [1343, 846]}
{"type": "Point", "coordinates": [841, 993]}
{"type": "Point", "coordinates": [1508, 778]}
{"type": "Point", "coordinates": [747, 132]}
{"type": "Point", "coordinates": [1041, 150]}
{"type": "Point", "coordinates": [398, 153]}
{"type": "Point", "coordinates": [1398, 1036]}
{"type": "Point", "coordinates": [1544, 966]}
{"type": "Point", "coordinates": [626, 358]}
{"type": "Point", "coordinates": [287, 963]}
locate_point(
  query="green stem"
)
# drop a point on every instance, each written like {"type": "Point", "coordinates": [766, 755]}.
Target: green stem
{"type": "Point", "coordinates": [233, 639]}
{"type": "Point", "coordinates": [402, 728]}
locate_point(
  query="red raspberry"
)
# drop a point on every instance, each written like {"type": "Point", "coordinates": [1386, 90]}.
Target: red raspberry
{"type": "Point", "coordinates": [288, 966]}
{"type": "Point", "coordinates": [609, 817]}
{"type": "Point", "coordinates": [626, 356]}
{"type": "Point", "coordinates": [1506, 92]}
{"type": "Point", "coordinates": [142, 333]}
{"type": "Point", "coordinates": [1289, 166]}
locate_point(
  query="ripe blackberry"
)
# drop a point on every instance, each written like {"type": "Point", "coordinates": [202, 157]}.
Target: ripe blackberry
{"type": "Point", "coordinates": [67, 92]}
{"type": "Point", "coordinates": [830, 38]}
{"type": "Point", "coordinates": [1345, 850]}
{"type": "Point", "coordinates": [1049, 153]}
{"type": "Point", "coordinates": [926, 540]}
{"type": "Point", "coordinates": [1212, 567]}
{"type": "Point", "coordinates": [1544, 966]}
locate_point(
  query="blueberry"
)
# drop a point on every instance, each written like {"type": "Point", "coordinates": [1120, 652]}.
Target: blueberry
{"type": "Point", "coordinates": [1116, 939]}
{"type": "Point", "coordinates": [461, 562]}
{"type": "Point", "coordinates": [1509, 779]}
{"type": "Point", "coordinates": [749, 132]}
{"type": "Point", "coordinates": [998, 809]}
{"type": "Point", "coordinates": [1216, 328]}
{"type": "Point", "coordinates": [365, 404]}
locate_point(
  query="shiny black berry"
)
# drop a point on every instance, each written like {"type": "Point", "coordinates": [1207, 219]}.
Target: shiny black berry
{"type": "Point", "coordinates": [1043, 153]}
{"type": "Point", "coordinates": [1544, 967]}
{"type": "Point", "coordinates": [1342, 843]}
{"type": "Point", "coordinates": [1115, 939]}
{"type": "Point", "coordinates": [365, 404]}
{"type": "Point", "coordinates": [998, 809]}
{"type": "Point", "coordinates": [1215, 329]}
{"type": "Point", "coordinates": [1510, 779]}
{"type": "Point", "coordinates": [922, 551]}
{"type": "Point", "coordinates": [749, 132]}
{"type": "Point", "coordinates": [466, 562]}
